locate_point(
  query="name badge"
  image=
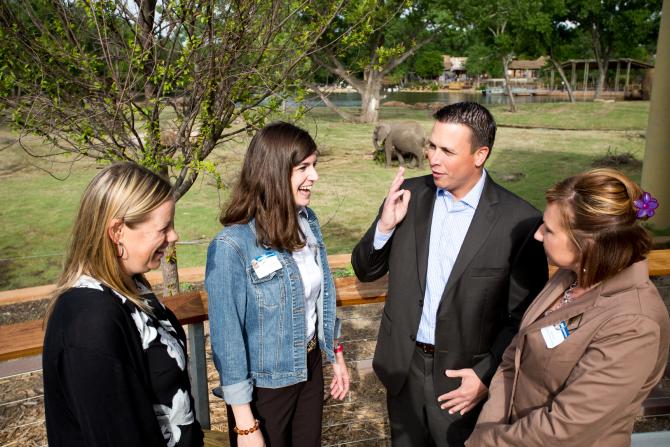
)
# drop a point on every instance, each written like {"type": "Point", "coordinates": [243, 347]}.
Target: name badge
{"type": "Point", "coordinates": [265, 264]}
{"type": "Point", "coordinates": [555, 334]}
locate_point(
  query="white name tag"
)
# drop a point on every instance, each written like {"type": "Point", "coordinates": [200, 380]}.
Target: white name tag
{"type": "Point", "coordinates": [555, 334]}
{"type": "Point", "coordinates": [265, 264]}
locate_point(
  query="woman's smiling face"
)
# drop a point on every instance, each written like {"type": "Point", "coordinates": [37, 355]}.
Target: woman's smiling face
{"type": "Point", "coordinates": [145, 243]}
{"type": "Point", "coordinates": [303, 178]}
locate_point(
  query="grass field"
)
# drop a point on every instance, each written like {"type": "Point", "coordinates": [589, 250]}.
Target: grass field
{"type": "Point", "coordinates": [37, 208]}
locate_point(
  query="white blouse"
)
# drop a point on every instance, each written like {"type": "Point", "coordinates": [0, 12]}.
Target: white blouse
{"type": "Point", "coordinates": [310, 273]}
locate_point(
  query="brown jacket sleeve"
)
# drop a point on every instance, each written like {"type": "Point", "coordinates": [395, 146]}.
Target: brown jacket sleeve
{"type": "Point", "coordinates": [500, 390]}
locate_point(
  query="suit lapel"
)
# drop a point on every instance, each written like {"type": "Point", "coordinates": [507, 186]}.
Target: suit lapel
{"type": "Point", "coordinates": [480, 228]}
{"type": "Point", "coordinates": [424, 204]}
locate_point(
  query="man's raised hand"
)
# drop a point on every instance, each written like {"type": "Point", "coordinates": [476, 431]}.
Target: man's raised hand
{"type": "Point", "coordinates": [395, 205]}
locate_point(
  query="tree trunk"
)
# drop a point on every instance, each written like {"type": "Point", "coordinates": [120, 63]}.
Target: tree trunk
{"type": "Point", "coordinates": [169, 261]}
{"type": "Point", "coordinates": [508, 87]}
{"type": "Point", "coordinates": [561, 73]}
{"type": "Point", "coordinates": [324, 97]}
{"type": "Point", "coordinates": [371, 97]}
{"type": "Point", "coordinates": [170, 271]}
{"type": "Point", "coordinates": [147, 16]}
{"type": "Point", "coordinates": [601, 55]}
{"type": "Point", "coordinates": [602, 77]}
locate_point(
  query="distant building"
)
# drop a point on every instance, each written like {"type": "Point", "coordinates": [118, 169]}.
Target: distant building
{"type": "Point", "coordinates": [624, 74]}
{"type": "Point", "coordinates": [454, 68]}
{"type": "Point", "coordinates": [526, 69]}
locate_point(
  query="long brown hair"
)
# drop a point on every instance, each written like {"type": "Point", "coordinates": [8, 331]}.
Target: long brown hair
{"type": "Point", "coordinates": [597, 211]}
{"type": "Point", "coordinates": [121, 191]}
{"type": "Point", "coordinates": [264, 192]}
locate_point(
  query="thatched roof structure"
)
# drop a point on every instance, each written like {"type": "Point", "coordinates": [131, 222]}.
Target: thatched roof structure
{"type": "Point", "coordinates": [520, 64]}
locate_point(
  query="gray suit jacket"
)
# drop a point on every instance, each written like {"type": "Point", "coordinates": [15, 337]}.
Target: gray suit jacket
{"type": "Point", "coordinates": [499, 270]}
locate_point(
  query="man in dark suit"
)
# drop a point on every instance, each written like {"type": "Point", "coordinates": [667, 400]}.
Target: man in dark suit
{"type": "Point", "coordinates": [463, 267]}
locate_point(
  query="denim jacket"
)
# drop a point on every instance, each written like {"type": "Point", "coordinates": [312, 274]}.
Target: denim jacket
{"type": "Point", "coordinates": [257, 325]}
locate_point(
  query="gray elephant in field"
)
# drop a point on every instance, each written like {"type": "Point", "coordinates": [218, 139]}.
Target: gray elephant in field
{"type": "Point", "coordinates": [401, 138]}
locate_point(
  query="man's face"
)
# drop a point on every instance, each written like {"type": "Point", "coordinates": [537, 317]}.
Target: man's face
{"type": "Point", "coordinates": [453, 164]}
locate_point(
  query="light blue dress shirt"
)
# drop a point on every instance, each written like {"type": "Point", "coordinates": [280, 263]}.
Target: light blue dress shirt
{"type": "Point", "coordinates": [450, 223]}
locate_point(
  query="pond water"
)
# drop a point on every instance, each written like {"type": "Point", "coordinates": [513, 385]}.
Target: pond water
{"type": "Point", "coordinates": [353, 99]}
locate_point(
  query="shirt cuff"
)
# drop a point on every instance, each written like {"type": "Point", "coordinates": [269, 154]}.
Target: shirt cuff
{"type": "Point", "coordinates": [381, 238]}
{"type": "Point", "coordinates": [338, 329]}
{"type": "Point", "coordinates": [238, 393]}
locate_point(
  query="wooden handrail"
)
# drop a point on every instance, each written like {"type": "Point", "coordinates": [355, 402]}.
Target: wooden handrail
{"type": "Point", "coordinates": [24, 339]}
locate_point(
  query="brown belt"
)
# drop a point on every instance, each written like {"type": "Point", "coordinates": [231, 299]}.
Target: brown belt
{"type": "Point", "coordinates": [311, 344]}
{"type": "Point", "coordinates": [426, 348]}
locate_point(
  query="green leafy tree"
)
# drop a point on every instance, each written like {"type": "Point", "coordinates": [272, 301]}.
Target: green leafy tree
{"type": "Point", "coordinates": [428, 64]}
{"type": "Point", "coordinates": [616, 28]}
{"type": "Point", "coordinates": [502, 26]}
{"type": "Point", "coordinates": [366, 42]}
{"type": "Point", "coordinates": [549, 32]}
{"type": "Point", "coordinates": [157, 82]}
{"type": "Point", "coordinates": [481, 61]}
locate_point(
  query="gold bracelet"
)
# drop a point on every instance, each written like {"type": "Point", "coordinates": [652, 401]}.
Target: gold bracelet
{"type": "Point", "coordinates": [248, 431]}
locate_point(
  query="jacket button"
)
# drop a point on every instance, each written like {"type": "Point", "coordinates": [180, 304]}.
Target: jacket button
{"type": "Point", "coordinates": [412, 337]}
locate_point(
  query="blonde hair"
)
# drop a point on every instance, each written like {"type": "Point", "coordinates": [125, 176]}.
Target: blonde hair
{"type": "Point", "coordinates": [123, 191]}
{"type": "Point", "coordinates": [597, 211]}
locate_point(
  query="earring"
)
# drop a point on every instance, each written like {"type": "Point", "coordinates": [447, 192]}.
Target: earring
{"type": "Point", "coordinates": [122, 255]}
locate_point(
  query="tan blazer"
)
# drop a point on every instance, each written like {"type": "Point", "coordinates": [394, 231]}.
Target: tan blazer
{"type": "Point", "coordinates": [587, 390]}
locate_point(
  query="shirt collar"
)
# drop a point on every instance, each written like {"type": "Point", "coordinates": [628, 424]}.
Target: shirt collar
{"type": "Point", "coordinates": [471, 199]}
{"type": "Point", "coordinates": [302, 212]}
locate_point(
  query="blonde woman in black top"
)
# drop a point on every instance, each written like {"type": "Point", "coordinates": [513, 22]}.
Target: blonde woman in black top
{"type": "Point", "coordinates": [114, 357]}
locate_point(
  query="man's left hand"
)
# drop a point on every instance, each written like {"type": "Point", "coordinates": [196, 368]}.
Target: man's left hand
{"type": "Point", "coordinates": [465, 397]}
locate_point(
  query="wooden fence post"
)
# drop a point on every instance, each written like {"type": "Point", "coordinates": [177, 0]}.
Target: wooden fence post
{"type": "Point", "coordinates": [197, 366]}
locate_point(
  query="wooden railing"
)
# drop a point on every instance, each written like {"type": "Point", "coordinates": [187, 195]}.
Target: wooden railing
{"type": "Point", "coordinates": [25, 339]}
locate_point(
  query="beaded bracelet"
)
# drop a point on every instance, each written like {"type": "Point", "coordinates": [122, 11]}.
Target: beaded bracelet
{"type": "Point", "coordinates": [248, 431]}
{"type": "Point", "coordinates": [338, 348]}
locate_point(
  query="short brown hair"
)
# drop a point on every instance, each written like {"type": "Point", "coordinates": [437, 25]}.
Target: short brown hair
{"type": "Point", "coordinates": [264, 190]}
{"type": "Point", "coordinates": [598, 213]}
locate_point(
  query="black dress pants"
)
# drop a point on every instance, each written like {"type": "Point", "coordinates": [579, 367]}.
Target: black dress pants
{"type": "Point", "coordinates": [415, 416]}
{"type": "Point", "coordinates": [290, 416]}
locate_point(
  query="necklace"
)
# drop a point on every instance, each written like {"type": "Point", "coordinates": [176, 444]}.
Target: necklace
{"type": "Point", "coordinates": [568, 295]}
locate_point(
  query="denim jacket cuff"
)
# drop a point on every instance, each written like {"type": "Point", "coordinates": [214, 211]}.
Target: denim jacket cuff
{"type": "Point", "coordinates": [238, 393]}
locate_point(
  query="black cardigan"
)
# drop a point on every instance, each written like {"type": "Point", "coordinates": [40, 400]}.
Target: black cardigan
{"type": "Point", "coordinates": [102, 387]}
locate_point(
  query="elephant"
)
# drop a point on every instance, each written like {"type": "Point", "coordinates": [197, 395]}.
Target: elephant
{"type": "Point", "coordinates": [400, 138]}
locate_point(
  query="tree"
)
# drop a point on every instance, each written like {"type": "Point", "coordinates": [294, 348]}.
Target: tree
{"type": "Point", "coordinates": [158, 82]}
{"type": "Point", "coordinates": [502, 26]}
{"type": "Point", "coordinates": [481, 61]}
{"type": "Point", "coordinates": [549, 32]}
{"type": "Point", "coordinates": [557, 42]}
{"type": "Point", "coordinates": [366, 43]}
{"type": "Point", "coordinates": [428, 64]}
{"type": "Point", "coordinates": [616, 28]}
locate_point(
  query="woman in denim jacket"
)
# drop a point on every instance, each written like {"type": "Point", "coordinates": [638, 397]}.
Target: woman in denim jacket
{"type": "Point", "coordinates": [272, 299]}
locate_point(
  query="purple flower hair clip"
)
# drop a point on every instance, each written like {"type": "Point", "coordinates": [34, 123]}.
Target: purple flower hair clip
{"type": "Point", "coordinates": [646, 206]}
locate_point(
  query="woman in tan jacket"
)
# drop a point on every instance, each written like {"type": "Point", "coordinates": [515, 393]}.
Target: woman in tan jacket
{"type": "Point", "coordinates": [595, 340]}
